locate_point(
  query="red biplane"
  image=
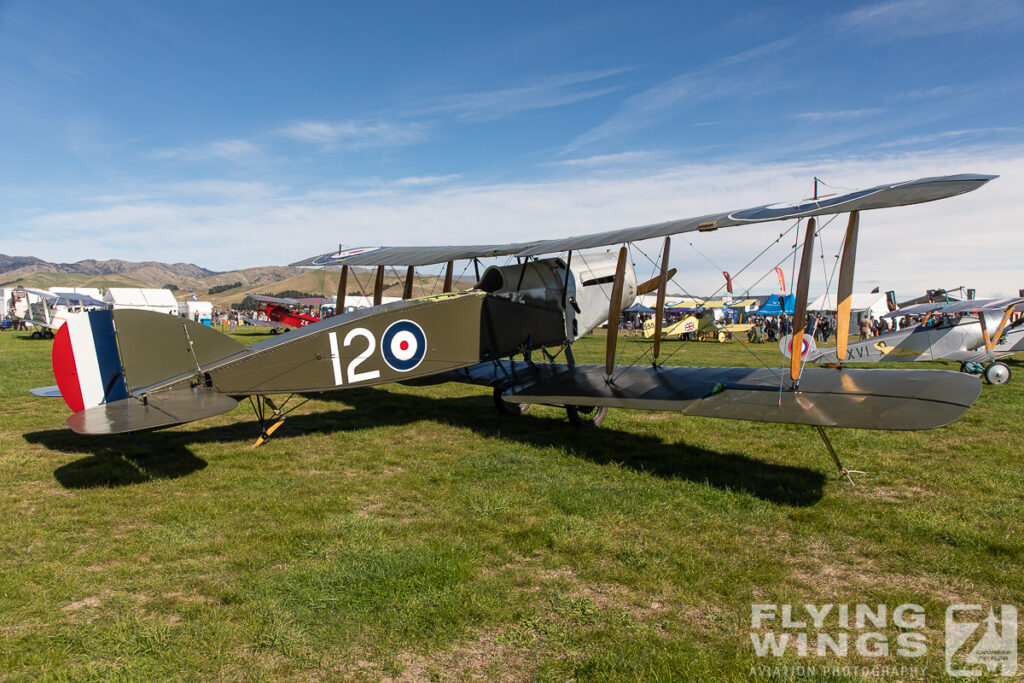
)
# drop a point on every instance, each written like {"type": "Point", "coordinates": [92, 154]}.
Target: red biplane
{"type": "Point", "coordinates": [282, 313]}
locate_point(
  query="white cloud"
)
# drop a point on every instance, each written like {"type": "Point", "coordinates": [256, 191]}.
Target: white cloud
{"type": "Point", "coordinates": [606, 159]}
{"type": "Point", "coordinates": [420, 181]}
{"type": "Point", "coordinates": [912, 18]}
{"type": "Point", "coordinates": [235, 149]}
{"type": "Point", "coordinates": [355, 134]}
{"type": "Point", "coordinates": [553, 91]}
{"type": "Point", "coordinates": [711, 82]}
{"type": "Point", "coordinates": [841, 115]}
{"type": "Point", "coordinates": [944, 244]}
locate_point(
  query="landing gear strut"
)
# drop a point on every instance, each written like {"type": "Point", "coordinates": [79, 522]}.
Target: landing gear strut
{"type": "Point", "coordinates": [270, 423]}
{"type": "Point", "coordinates": [843, 472]}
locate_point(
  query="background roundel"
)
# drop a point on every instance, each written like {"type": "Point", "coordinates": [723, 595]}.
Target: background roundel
{"type": "Point", "coordinates": [404, 345]}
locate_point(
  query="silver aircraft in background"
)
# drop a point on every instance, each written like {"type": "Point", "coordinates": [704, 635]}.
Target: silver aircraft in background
{"type": "Point", "coordinates": [975, 333]}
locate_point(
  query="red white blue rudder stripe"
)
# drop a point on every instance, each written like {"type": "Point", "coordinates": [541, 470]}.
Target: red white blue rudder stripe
{"type": "Point", "coordinates": [86, 363]}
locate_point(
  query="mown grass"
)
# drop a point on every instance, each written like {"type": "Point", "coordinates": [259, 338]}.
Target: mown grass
{"type": "Point", "coordinates": [414, 533]}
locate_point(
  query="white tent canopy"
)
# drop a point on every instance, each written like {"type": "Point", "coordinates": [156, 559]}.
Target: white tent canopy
{"type": "Point", "coordinates": [872, 304]}
{"type": "Point", "coordinates": [159, 300]}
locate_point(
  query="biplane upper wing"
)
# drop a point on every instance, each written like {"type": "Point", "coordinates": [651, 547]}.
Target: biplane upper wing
{"type": "Point", "coordinates": [954, 307]}
{"type": "Point", "coordinates": [881, 196]}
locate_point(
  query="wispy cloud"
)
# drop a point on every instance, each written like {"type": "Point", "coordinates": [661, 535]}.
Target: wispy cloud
{"type": "Point", "coordinates": [950, 135]}
{"type": "Point", "coordinates": [840, 115]}
{"type": "Point", "coordinates": [421, 181]}
{"type": "Point", "coordinates": [712, 82]}
{"type": "Point", "coordinates": [605, 160]}
{"type": "Point", "coordinates": [236, 150]}
{"type": "Point", "coordinates": [912, 18]}
{"type": "Point", "coordinates": [355, 134]}
{"type": "Point", "coordinates": [551, 91]}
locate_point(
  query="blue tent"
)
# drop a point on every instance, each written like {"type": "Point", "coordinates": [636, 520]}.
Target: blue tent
{"type": "Point", "coordinates": [638, 308]}
{"type": "Point", "coordinates": [777, 304]}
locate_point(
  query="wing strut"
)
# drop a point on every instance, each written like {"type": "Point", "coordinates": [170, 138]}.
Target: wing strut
{"type": "Point", "coordinates": [378, 286]}
{"type": "Point", "coordinates": [614, 306]}
{"type": "Point", "coordinates": [410, 275]}
{"type": "Point", "coordinates": [845, 294]}
{"type": "Point", "coordinates": [448, 277]}
{"type": "Point", "coordinates": [659, 307]}
{"type": "Point", "coordinates": [342, 291]}
{"type": "Point", "coordinates": [800, 310]}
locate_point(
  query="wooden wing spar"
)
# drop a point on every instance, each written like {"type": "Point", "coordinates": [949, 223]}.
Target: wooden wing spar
{"type": "Point", "coordinates": [881, 196]}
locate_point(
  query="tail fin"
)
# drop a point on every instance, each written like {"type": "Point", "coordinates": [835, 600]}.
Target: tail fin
{"type": "Point", "coordinates": [86, 364]}
{"type": "Point", "coordinates": [155, 347]}
{"type": "Point", "coordinates": [105, 357]}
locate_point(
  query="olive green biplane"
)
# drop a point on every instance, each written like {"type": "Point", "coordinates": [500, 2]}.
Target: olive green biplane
{"type": "Point", "coordinates": [127, 370]}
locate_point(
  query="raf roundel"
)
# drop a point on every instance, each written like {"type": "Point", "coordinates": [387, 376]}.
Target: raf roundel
{"type": "Point", "coordinates": [404, 345]}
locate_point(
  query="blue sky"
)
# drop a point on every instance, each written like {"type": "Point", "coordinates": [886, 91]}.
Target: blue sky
{"type": "Point", "coordinates": [245, 133]}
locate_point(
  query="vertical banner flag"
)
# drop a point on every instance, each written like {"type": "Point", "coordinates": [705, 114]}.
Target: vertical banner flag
{"type": "Point", "coordinates": [728, 282]}
{"type": "Point", "coordinates": [782, 279]}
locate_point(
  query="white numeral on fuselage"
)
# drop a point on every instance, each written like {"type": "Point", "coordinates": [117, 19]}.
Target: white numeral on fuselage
{"type": "Point", "coordinates": [371, 345]}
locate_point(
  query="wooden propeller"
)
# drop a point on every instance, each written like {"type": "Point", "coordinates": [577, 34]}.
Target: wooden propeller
{"type": "Point", "coordinates": [614, 309]}
{"type": "Point", "coordinates": [800, 307]}
{"type": "Point", "coordinates": [659, 308]}
{"type": "Point", "coordinates": [655, 282]}
{"type": "Point", "coordinates": [845, 294]}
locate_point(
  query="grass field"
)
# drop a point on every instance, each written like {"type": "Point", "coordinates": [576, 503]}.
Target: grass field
{"type": "Point", "coordinates": [413, 533]}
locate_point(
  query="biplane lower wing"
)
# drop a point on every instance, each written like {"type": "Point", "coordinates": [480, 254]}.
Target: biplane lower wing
{"type": "Point", "coordinates": [857, 399]}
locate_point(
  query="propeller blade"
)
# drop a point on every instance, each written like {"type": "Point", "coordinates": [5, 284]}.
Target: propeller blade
{"type": "Point", "coordinates": [803, 282]}
{"type": "Point", "coordinates": [845, 294]}
{"type": "Point", "coordinates": [659, 308]}
{"type": "Point", "coordinates": [614, 306]}
{"type": "Point", "coordinates": [655, 282]}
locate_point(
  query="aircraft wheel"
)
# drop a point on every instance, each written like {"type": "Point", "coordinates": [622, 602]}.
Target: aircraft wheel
{"type": "Point", "coordinates": [997, 373]}
{"type": "Point", "coordinates": [971, 368]}
{"type": "Point", "coordinates": [37, 335]}
{"type": "Point", "coordinates": [48, 334]}
{"type": "Point", "coordinates": [586, 416]}
{"type": "Point", "coordinates": [504, 407]}
{"type": "Point", "coordinates": [273, 330]}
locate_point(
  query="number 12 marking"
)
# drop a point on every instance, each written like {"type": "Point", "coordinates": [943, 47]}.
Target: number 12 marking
{"type": "Point", "coordinates": [353, 375]}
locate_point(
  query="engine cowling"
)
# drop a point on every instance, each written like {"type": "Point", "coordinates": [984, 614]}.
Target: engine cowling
{"type": "Point", "coordinates": [542, 282]}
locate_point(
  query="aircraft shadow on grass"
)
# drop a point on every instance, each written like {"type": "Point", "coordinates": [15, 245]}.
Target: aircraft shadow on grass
{"type": "Point", "coordinates": [122, 460]}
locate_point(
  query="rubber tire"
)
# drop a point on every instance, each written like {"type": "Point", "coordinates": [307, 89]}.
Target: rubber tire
{"type": "Point", "coordinates": [273, 330]}
{"type": "Point", "coordinates": [37, 335]}
{"type": "Point", "coordinates": [504, 407]}
{"type": "Point", "coordinates": [585, 417]}
{"type": "Point", "coordinates": [48, 334]}
{"type": "Point", "coordinates": [998, 373]}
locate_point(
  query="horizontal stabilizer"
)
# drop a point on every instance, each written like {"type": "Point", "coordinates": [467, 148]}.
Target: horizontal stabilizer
{"type": "Point", "coordinates": [46, 392]}
{"type": "Point", "coordinates": [859, 399]}
{"type": "Point", "coordinates": [162, 409]}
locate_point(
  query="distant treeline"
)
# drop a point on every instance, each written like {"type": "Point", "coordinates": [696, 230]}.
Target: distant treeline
{"type": "Point", "coordinates": [223, 288]}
